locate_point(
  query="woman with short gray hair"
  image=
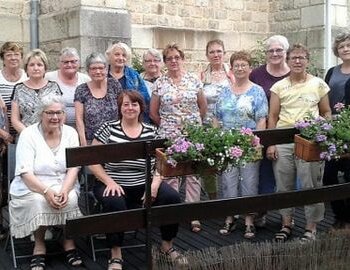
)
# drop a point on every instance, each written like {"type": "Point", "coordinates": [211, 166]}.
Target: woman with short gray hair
{"type": "Point", "coordinates": [95, 101]}
{"type": "Point", "coordinates": [68, 78]}
{"type": "Point", "coordinates": [152, 63]}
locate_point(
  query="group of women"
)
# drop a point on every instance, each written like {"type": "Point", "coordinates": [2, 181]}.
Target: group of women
{"type": "Point", "coordinates": [116, 104]}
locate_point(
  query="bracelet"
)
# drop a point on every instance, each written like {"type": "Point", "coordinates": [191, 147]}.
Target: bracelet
{"type": "Point", "coordinates": [46, 189]}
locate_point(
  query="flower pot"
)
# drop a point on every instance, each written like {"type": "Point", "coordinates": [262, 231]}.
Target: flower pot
{"type": "Point", "coordinates": [165, 169]}
{"type": "Point", "coordinates": [305, 149]}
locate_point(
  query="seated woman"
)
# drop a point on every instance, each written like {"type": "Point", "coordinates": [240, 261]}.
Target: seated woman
{"type": "Point", "coordinates": [121, 185]}
{"type": "Point", "coordinates": [44, 192]}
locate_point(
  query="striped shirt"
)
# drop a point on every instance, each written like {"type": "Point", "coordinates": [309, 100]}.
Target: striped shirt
{"type": "Point", "coordinates": [126, 172]}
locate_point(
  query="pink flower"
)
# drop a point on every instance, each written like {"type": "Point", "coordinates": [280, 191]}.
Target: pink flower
{"type": "Point", "coordinates": [236, 152]}
{"type": "Point", "coordinates": [246, 131]}
{"type": "Point", "coordinates": [256, 141]}
{"type": "Point", "coordinates": [339, 106]}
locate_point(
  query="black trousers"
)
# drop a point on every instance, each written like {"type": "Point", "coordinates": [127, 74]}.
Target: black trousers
{"type": "Point", "coordinates": [341, 208]}
{"type": "Point", "coordinates": [132, 199]}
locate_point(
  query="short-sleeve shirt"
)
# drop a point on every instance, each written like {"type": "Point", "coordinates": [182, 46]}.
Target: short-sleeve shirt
{"type": "Point", "coordinates": [125, 172]}
{"type": "Point", "coordinates": [28, 100]}
{"type": "Point", "coordinates": [98, 110]}
{"type": "Point", "coordinates": [299, 100]}
{"type": "Point", "coordinates": [178, 103]}
{"type": "Point", "coordinates": [241, 110]}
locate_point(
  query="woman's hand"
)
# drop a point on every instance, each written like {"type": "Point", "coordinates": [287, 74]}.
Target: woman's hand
{"type": "Point", "coordinates": [53, 199]}
{"type": "Point", "coordinates": [272, 153]}
{"type": "Point", "coordinates": [154, 188]}
{"type": "Point", "coordinates": [112, 189]}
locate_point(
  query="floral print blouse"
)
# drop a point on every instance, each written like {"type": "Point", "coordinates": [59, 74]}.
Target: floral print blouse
{"type": "Point", "coordinates": [178, 103]}
{"type": "Point", "coordinates": [243, 110]}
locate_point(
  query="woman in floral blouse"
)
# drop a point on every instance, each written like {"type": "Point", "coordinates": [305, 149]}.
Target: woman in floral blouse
{"type": "Point", "coordinates": [177, 100]}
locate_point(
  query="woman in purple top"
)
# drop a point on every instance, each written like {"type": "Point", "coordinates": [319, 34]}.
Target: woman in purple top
{"type": "Point", "coordinates": [267, 75]}
{"type": "Point", "coordinates": [95, 102]}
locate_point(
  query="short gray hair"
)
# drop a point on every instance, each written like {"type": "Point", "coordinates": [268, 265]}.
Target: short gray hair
{"type": "Point", "coordinates": [94, 58]}
{"type": "Point", "coordinates": [341, 37]}
{"type": "Point", "coordinates": [69, 52]}
{"type": "Point", "coordinates": [155, 53]}
{"type": "Point", "coordinates": [48, 100]}
{"type": "Point", "coordinates": [282, 40]}
{"type": "Point", "coordinates": [124, 47]}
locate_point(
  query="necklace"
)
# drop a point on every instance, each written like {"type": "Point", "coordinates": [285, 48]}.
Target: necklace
{"type": "Point", "coordinates": [217, 75]}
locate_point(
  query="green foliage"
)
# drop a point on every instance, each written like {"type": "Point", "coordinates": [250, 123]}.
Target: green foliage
{"type": "Point", "coordinates": [136, 62]}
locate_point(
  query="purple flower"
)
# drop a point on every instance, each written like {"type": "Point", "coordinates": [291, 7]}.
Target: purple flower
{"type": "Point", "coordinates": [325, 156]}
{"type": "Point", "coordinates": [339, 106]}
{"type": "Point", "coordinates": [302, 124]}
{"type": "Point", "coordinates": [199, 146]}
{"type": "Point", "coordinates": [326, 126]}
{"type": "Point", "coordinates": [321, 138]}
{"type": "Point", "coordinates": [236, 152]}
{"type": "Point", "coordinates": [332, 148]}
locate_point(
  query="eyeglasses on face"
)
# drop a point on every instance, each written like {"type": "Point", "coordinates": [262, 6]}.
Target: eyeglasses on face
{"type": "Point", "coordinates": [212, 52]}
{"type": "Point", "coordinates": [297, 58]}
{"type": "Point", "coordinates": [67, 62]}
{"type": "Point", "coordinates": [149, 61]}
{"type": "Point", "coordinates": [242, 66]}
{"type": "Point", "coordinates": [277, 51]}
{"type": "Point", "coordinates": [53, 113]}
{"type": "Point", "coordinates": [94, 69]}
{"type": "Point", "coordinates": [172, 58]}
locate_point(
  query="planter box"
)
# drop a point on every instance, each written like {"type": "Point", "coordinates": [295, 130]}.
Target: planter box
{"type": "Point", "coordinates": [306, 150]}
{"type": "Point", "coordinates": [165, 169]}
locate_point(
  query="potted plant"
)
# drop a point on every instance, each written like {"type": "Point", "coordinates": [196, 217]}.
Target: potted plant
{"type": "Point", "coordinates": [323, 139]}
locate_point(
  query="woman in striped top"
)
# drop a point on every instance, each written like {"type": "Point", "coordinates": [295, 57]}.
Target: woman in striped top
{"type": "Point", "coordinates": [121, 185]}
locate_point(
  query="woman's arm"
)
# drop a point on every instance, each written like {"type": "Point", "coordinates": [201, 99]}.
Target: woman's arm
{"type": "Point", "coordinates": [275, 108]}
{"type": "Point", "coordinates": [261, 124]}
{"type": "Point", "coordinates": [79, 119]}
{"type": "Point", "coordinates": [154, 109]}
{"type": "Point", "coordinates": [324, 108]}
{"type": "Point", "coordinates": [202, 103]}
{"type": "Point", "coordinates": [112, 188]}
{"type": "Point", "coordinates": [16, 117]}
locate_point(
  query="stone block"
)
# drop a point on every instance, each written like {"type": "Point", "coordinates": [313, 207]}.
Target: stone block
{"type": "Point", "coordinates": [16, 29]}
{"type": "Point", "coordinates": [312, 16]}
{"type": "Point", "coordinates": [341, 18]}
{"type": "Point", "coordinates": [315, 38]}
{"type": "Point", "coordinates": [142, 37]}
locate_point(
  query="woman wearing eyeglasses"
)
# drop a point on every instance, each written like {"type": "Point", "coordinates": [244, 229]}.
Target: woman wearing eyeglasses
{"type": "Point", "coordinates": [177, 100]}
{"type": "Point", "coordinates": [293, 99]}
{"type": "Point", "coordinates": [152, 62]}
{"type": "Point", "coordinates": [44, 192]}
{"type": "Point", "coordinates": [27, 95]}
{"type": "Point", "coordinates": [95, 101]}
{"type": "Point", "coordinates": [244, 104]}
{"type": "Point", "coordinates": [266, 75]}
{"type": "Point", "coordinates": [68, 78]}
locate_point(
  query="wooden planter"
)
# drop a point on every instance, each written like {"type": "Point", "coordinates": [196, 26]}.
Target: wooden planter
{"type": "Point", "coordinates": [165, 169]}
{"type": "Point", "coordinates": [306, 150]}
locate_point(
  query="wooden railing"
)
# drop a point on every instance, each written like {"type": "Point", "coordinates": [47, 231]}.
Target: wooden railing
{"type": "Point", "coordinates": [160, 215]}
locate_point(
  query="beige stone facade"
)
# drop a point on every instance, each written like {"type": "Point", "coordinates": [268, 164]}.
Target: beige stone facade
{"type": "Point", "coordinates": [91, 25]}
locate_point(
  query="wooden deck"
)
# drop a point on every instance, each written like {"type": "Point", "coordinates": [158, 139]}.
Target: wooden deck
{"type": "Point", "coordinates": [135, 257]}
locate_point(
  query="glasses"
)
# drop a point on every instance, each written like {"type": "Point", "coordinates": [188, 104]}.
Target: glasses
{"type": "Point", "coordinates": [216, 52]}
{"type": "Point", "coordinates": [172, 58]}
{"type": "Point", "coordinates": [73, 62]}
{"type": "Point", "coordinates": [94, 69]}
{"type": "Point", "coordinates": [53, 113]}
{"type": "Point", "coordinates": [242, 66]}
{"type": "Point", "coordinates": [277, 51]}
{"type": "Point", "coordinates": [295, 58]}
{"type": "Point", "coordinates": [149, 61]}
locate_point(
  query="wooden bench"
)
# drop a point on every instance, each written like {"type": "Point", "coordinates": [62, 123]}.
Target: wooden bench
{"type": "Point", "coordinates": [160, 215]}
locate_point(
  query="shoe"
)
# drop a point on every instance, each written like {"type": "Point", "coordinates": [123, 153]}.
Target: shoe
{"type": "Point", "coordinates": [196, 226]}
{"type": "Point", "coordinates": [284, 234]}
{"type": "Point", "coordinates": [115, 264]}
{"type": "Point", "coordinates": [228, 228]}
{"type": "Point", "coordinates": [172, 255]}
{"type": "Point", "coordinates": [37, 262]}
{"type": "Point", "coordinates": [73, 259]}
{"type": "Point", "coordinates": [249, 231]}
{"type": "Point", "coordinates": [308, 237]}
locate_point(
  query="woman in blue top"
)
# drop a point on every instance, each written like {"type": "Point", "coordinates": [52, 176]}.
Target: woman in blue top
{"type": "Point", "coordinates": [119, 58]}
{"type": "Point", "coordinates": [242, 105]}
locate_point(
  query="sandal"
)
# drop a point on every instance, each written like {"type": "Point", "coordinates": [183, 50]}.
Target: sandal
{"type": "Point", "coordinates": [73, 258]}
{"type": "Point", "coordinates": [284, 234]}
{"type": "Point", "coordinates": [227, 228]}
{"type": "Point", "coordinates": [196, 226]}
{"type": "Point", "coordinates": [172, 255]}
{"type": "Point", "coordinates": [308, 236]}
{"type": "Point", "coordinates": [249, 231]}
{"type": "Point", "coordinates": [38, 262]}
{"type": "Point", "coordinates": [115, 264]}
